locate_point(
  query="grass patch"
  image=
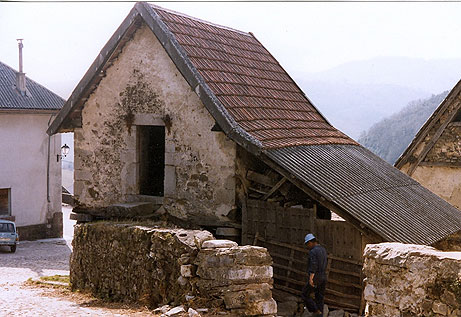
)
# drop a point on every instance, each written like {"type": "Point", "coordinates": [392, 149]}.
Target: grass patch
{"type": "Point", "coordinates": [56, 278]}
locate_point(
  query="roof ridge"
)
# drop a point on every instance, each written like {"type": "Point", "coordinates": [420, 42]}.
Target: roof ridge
{"type": "Point", "coordinates": [33, 81]}
{"type": "Point", "coordinates": [199, 20]}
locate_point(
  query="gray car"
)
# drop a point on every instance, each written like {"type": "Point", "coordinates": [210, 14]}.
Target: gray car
{"type": "Point", "coordinates": [8, 234]}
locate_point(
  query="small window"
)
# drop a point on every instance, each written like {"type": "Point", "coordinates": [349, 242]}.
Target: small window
{"type": "Point", "coordinates": [4, 201]}
{"type": "Point", "coordinates": [151, 149]}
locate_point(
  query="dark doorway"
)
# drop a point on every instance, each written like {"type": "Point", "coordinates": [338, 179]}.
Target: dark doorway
{"type": "Point", "coordinates": [4, 201]}
{"type": "Point", "coordinates": [151, 149]}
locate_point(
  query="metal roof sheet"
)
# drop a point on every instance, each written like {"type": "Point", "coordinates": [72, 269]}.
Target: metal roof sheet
{"type": "Point", "coordinates": [378, 195]}
{"type": "Point", "coordinates": [37, 97]}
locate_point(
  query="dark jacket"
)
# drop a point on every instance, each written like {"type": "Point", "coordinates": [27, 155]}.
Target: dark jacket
{"type": "Point", "coordinates": [318, 263]}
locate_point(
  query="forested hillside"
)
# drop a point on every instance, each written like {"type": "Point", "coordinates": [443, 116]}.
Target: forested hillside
{"type": "Point", "coordinates": [389, 137]}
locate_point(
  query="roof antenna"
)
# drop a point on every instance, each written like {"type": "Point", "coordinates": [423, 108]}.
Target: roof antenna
{"type": "Point", "coordinates": [20, 76]}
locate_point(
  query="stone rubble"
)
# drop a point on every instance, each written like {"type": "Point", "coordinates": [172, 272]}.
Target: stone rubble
{"type": "Point", "coordinates": [411, 280]}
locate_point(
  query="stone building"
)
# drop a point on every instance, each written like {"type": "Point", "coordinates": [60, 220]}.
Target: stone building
{"type": "Point", "coordinates": [30, 174]}
{"type": "Point", "coordinates": [201, 121]}
{"type": "Point", "coordinates": [433, 158]}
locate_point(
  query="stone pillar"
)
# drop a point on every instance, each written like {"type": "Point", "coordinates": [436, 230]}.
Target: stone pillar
{"type": "Point", "coordinates": [411, 280]}
{"type": "Point", "coordinates": [240, 276]}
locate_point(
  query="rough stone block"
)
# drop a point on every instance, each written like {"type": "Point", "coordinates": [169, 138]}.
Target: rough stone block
{"type": "Point", "coordinates": [170, 181]}
{"type": "Point", "coordinates": [268, 307]}
{"type": "Point", "coordinates": [440, 308]}
{"type": "Point", "coordinates": [241, 298]}
{"type": "Point", "coordinates": [246, 255]}
{"type": "Point", "coordinates": [412, 280]}
{"type": "Point", "coordinates": [129, 210]}
{"type": "Point", "coordinates": [235, 275]}
{"type": "Point", "coordinates": [188, 270]}
{"type": "Point", "coordinates": [175, 311]}
{"type": "Point", "coordinates": [213, 244]}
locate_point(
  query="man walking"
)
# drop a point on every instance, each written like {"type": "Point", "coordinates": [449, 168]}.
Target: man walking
{"type": "Point", "coordinates": [317, 276]}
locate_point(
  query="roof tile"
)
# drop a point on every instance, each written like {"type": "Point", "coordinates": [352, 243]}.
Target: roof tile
{"type": "Point", "coordinates": [251, 84]}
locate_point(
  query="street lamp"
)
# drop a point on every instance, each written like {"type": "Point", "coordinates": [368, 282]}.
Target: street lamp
{"type": "Point", "coordinates": [64, 150]}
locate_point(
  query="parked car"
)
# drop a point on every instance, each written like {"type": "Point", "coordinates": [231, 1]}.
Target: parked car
{"type": "Point", "coordinates": [8, 234]}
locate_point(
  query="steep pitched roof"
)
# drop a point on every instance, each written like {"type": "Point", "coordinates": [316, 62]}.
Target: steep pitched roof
{"type": "Point", "coordinates": [37, 97]}
{"type": "Point", "coordinates": [433, 127]}
{"type": "Point", "coordinates": [251, 84]}
{"type": "Point", "coordinates": [259, 106]}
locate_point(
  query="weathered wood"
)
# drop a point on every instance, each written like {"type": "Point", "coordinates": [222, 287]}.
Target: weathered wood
{"type": "Point", "coordinates": [260, 191]}
{"type": "Point", "coordinates": [431, 143]}
{"type": "Point", "coordinates": [344, 272]}
{"type": "Point", "coordinates": [283, 278]}
{"type": "Point", "coordinates": [346, 284]}
{"type": "Point", "coordinates": [280, 266]}
{"type": "Point", "coordinates": [260, 178]}
{"type": "Point", "coordinates": [345, 306]}
{"type": "Point", "coordinates": [273, 189]}
{"type": "Point", "coordinates": [339, 294]}
{"type": "Point", "coordinates": [81, 217]}
{"type": "Point", "coordinates": [245, 239]}
{"type": "Point", "coordinates": [441, 164]}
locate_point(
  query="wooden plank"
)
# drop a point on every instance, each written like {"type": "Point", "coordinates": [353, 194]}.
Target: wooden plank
{"type": "Point", "coordinates": [283, 278]}
{"type": "Point", "coordinates": [358, 263]}
{"type": "Point", "coordinates": [346, 284]}
{"type": "Point", "coordinates": [273, 189]}
{"type": "Point", "coordinates": [339, 294]}
{"type": "Point", "coordinates": [259, 191]}
{"type": "Point", "coordinates": [431, 143]}
{"type": "Point", "coordinates": [442, 164]}
{"type": "Point", "coordinates": [245, 238]}
{"type": "Point", "coordinates": [280, 266]}
{"type": "Point", "coordinates": [340, 305]}
{"type": "Point", "coordinates": [284, 245]}
{"type": "Point", "coordinates": [345, 272]}
{"type": "Point", "coordinates": [260, 178]}
{"type": "Point", "coordinates": [288, 289]}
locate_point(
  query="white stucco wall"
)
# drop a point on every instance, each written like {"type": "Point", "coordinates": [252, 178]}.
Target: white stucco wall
{"type": "Point", "coordinates": [23, 166]}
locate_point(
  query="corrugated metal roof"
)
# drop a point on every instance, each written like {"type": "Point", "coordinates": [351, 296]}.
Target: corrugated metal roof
{"type": "Point", "coordinates": [37, 97]}
{"type": "Point", "coordinates": [378, 195]}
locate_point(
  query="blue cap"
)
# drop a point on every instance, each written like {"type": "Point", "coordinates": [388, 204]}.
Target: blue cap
{"type": "Point", "coordinates": [308, 237]}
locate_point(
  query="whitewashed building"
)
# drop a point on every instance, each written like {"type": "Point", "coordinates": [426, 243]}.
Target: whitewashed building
{"type": "Point", "coordinates": [30, 167]}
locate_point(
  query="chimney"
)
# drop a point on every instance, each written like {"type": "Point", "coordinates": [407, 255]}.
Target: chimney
{"type": "Point", "coordinates": [20, 76]}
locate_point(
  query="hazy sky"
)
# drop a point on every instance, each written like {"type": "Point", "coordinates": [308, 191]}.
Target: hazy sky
{"type": "Point", "coordinates": [61, 40]}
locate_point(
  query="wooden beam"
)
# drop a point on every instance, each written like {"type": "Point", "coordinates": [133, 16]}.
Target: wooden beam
{"type": "Point", "coordinates": [432, 142]}
{"type": "Point", "coordinates": [441, 164]}
{"type": "Point", "coordinates": [260, 178]}
{"type": "Point", "coordinates": [273, 189]}
{"type": "Point", "coordinates": [322, 200]}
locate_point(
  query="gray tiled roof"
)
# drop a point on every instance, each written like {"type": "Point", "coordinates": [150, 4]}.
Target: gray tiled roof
{"type": "Point", "coordinates": [37, 98]}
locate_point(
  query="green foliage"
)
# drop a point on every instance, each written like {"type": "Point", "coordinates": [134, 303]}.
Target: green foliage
{"type": "Point", "coordinates": [389, 137]}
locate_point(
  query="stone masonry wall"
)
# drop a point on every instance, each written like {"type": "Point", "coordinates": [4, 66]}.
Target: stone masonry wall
{"type": "Point", "coordinates": [144, 87]}
{"type": "Point", "coordinates": [411, 280]}
{"type": "Point", "coordinates": [158, 266]}
{"type": "Point", "coordinates": [447, 149]}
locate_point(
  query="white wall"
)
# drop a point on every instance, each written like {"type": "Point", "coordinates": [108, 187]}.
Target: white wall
{"type": "Point", "coordinates": [23, 166]}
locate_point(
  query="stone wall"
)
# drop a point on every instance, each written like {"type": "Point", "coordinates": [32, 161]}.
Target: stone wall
{"type": "Point", "coordinates": [411, 280]}
{"type": "Point", "coordinates": [158, 266]}
{"type": "Point", "coordinates": [447, 149]}
{"type": "Point", "coordinates": [144, 87]}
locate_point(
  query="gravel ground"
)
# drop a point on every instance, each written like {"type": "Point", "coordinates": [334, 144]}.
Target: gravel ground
{"type": "Point", "coordinates": [34, 259]}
